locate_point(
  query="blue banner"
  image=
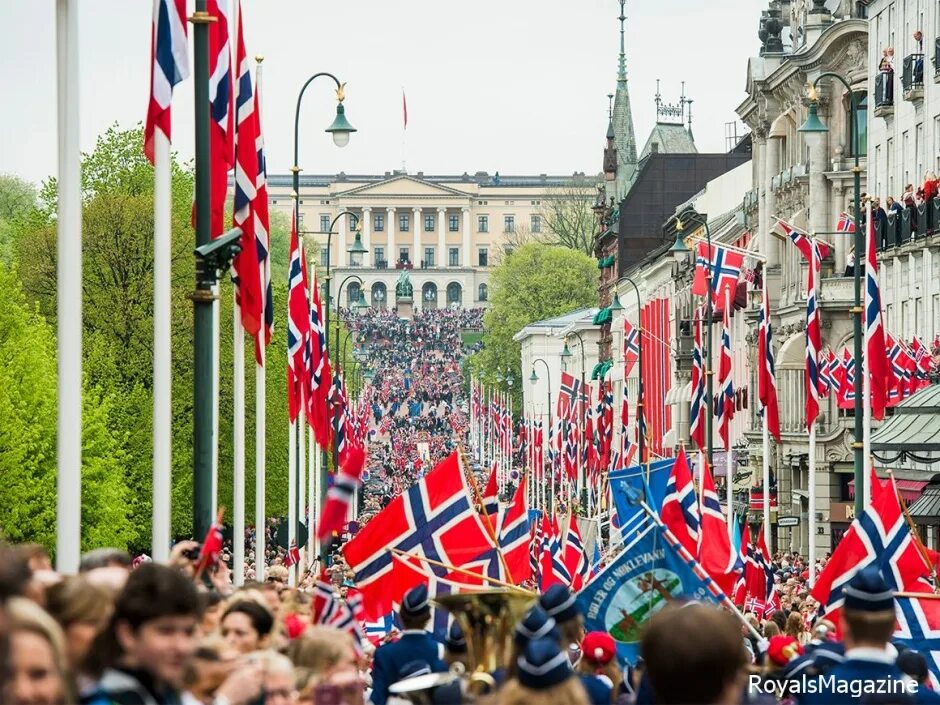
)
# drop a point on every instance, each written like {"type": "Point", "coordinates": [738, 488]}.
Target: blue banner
{"type": "Point", "coordinates": [650, 572]}
{"type": "Point", "coordinates": [628, 489]}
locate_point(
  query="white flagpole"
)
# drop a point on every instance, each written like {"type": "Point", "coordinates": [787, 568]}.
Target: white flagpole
{"type": "Point", "coordinates": [729, 470]}
{"type": "Point", "coordinates": [312, 496]}
{"type": "Point", "coordinates": [238, 446]}
{"type": "Point", "coordinates": [301, 481]}
{"type": "Point", "coordinates": [865, 367]}
{"type": "Point", "coordinates": [162, 410]}
{"type": "Point", "coordinates": [315, 542]}
{"type": "Point", "coordinates": [812, 504]}
{"type": "Point", "coordinates": [69, 294]}
{"type": "Point", "coordinates": [260, 461]}
{"type": "Point", "coordinates": [291, 491]}
{"type": "Point", "coordinates": [216, 347]}
{"type": "Point", "coordinates": [765, 461]}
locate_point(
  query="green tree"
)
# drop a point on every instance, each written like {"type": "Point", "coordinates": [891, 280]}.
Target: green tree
{"type": "Point", "coordinates": [17, 199]}
{"type": "Point", "coordinates": [532, 283]}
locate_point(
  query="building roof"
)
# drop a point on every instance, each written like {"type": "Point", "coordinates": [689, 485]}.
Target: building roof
{"type": "Point", "coordinates": [669, 138]}
{"type": "Point", "coordinates": [548, 326]}
{"type": "Point", "coordinates": [480, 178]}
{"type": "Point", "coordinates": [913, 432]}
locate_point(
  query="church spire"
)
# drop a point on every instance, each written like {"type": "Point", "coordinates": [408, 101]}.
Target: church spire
{"type": "Point", "coordinates": [622, 120]}
{"type": "Point", "coordinates": [622, 64]}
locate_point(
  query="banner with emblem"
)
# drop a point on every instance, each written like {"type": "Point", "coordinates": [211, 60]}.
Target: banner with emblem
{"type": "Point", "coordinates": [652, 570]}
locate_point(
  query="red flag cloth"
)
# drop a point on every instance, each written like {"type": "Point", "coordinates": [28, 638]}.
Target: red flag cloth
{"type": "Point", "coordinates": [491, 496]}
{"type": "Point", "coordinates": [766, 374]}
{"type": "Point", "coordinates": [321, 373]}
{"type": "Point", "coordinates": [716, 554]}
{"type": "Point", "coordinates": [552, 560]}
{"type": "Point", "coordinates": [262, 235]}
{"type": "Point", "coordinates": [246, 272]}
{"type": "Point", "coordinates": [404, 110]}
{"type": "Point", "coordinates": [576, 562]}
{"type": "Point", "coordinates": [221, 130]}
{"type": "Point", "coordinates": [340, 496]}
{"type": "Point", "coordinates": [169, 64]}
{"type": "Point", "coordinates": [880, 376]}
{"type": "Point", "coordinates": [722, 265]}
{"type": "Point", "coordinates": [298, 326]}
{"type": "Point", "coordinates": [697, 409]}
{"type": "Point", "coordinates": [210, 549]}
{"type": "Point", "coordinates": [435, 518]}
{"type": "Point", "coordinates": [631, 347]}
{"type": "Point", "coordinates": [745, 555]}
{"type": "Point", "coordinates": [724, 404]}
{"type": "Point", "coordinates": [680, 511]}
{"type": "Point", "coordinates": [881, 537]}
{"type": "Point", "coordinates": [514, 536]}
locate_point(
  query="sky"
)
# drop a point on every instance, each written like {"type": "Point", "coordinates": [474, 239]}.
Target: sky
{"type": "Point", "coordinates": [515, 86]}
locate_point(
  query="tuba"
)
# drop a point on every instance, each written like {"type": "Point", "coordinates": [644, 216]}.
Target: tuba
{"type": "Point", "coordinates": [487, 619]}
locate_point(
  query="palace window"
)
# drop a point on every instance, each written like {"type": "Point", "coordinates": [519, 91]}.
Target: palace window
{"type": "Point", "coordinates": [454, 223]}
{"type": "Point", "coordinates": [535, 223]}
{"type": "Point", "coordinates": [453, 257]}
{"type": "Point", "coordinates": [509, 223]}
{"type": "Point", "coordinates": [403, 225]}
{"type": "Point", "coordinates": [482, 257]}
{"type": "Point", "coordinates": [429, 223]}
{"type": "Point", "coordinates": [378, 222]}
{"type": "Point", "coordinates": [324, 223]}
{"type": "Point", "coordinates": [483, 223]}
{"type": "Point", "coordinates": [428, 256]}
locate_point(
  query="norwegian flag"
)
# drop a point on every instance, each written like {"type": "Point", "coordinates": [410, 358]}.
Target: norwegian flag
{"type": "Point", "coordinates": [903, 367]}
{"type": "Point", "coordinates": [680, 510]}
{"type": "Point", "coordinates": [262, 234]}
{"type": "Point", "coordinates": [605, 424]}
{"type": "Point", "coordinates": [919, 629]}
{"type": "Point", "coordinates": [169, 65]}
{"type": "Point", "coordinates": [845, 224]}
{"type": "Point", "coordinates": [881, 537]}
{"type": "Point", "coordinates": [746, 556]}
{"type": "Point", "coordinates": [766, 375]}
{"type": "Point", "coordinates": [810, 249]}
{"type": "Point", "coordinates": [298, 326]}
{"type": "Point", "coordinates": [319, 371]}
{"type": "Point", "coordinates": [538, 441]}
{"type": "Point", "coordinates": [332, 611]}
{"type": "Point", "coordinates": [340, 419]}
{"type": "Point", "coordinates": [553, 568]}
{"type": "Point", "coordinates": [491, 495]}
{"type": "Point", "coordinates": [880, 376]}
{"type": "Point", "coordinates": [535, 549]}
{"type": "Point", "coordinates": [715, 552]}
{"type": "Point", "coordinates": [211, 547]}
{"type": "Point", "coordinates": [221, 128]}
{"type": "Point", "coordinates": [576, 561]}
{"type": "Point", "coordinates": [846, 380]}
{"type": "Point", "coordinates": [434, 518]}
{"type": "Point", "coordinates": [826, 381]}
{"type": "Point", "coordinates": [722, 266]}
{"type": "Point", "coordinates": [570, 395]}
{"type": "Point", "coordinates": [724, 404]}
{"type": "Point", "coordinates": [762, 556]}
{"type": "Point", "coordinates": [697, 406]}
{"type": "Point", "coordinates": [246, 272]}
{"type": "Point", "coordinates": [339, 497]}
{"type": "Point", "coordinates": [627, 449]}
{"type": "Point", "coordinates": [631, 347]}
{"type": "Point", "coordinates": [293, 555]}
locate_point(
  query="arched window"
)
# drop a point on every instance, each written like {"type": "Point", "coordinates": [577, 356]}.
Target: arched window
{"type": "Point", "coordinates": [454, 294]}
{"type": "Point", "coordinates": [482, 292]}
{"type": "Point", "coordinates": [353, 293]}
{"type": "Point", "coordinates": [379, 296]}
{"type": "Point", "coordinates": [429, 295]}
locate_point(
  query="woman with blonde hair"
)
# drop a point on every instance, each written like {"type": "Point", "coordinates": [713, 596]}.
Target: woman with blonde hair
{"type": "Point", "coordinates": [82, 609]}
{"type": "Point", "coordinates": [320, 650]}
{"type": "Point", "coordinates": [37, 670]}
{"type": "Point", "coordinates": [796, 629]}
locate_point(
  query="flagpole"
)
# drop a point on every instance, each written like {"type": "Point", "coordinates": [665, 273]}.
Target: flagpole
{"type": "Point", "coordinates": [812, 504]}
{"type": "Point", "coordinates": [455, 569]}
{"type": "Point", "coordinates": [238, 446]}
{"type": "Point", "coordinates": [468, 472]}
{"type": "Point", "coordinates": [317, 461]}
{"type": "Point", "coordinates": [866, 368]}
{"type": "Point", "coordinates": [313, 496]}
{"type": "Point", "coordinates": [301, 477]}
{"type": "Point", "coordinates": [728, 469]}
{"type": "Point", "coordinates": [291, 490]}
{"type": "Point", "coordinates": [765, 460]}
{"type": "Point", "coordinates": [260, 421]}
{"type": "Point", "coordinates": [162, 355]}
{"type": "Point", "coordinates": [69, 290]}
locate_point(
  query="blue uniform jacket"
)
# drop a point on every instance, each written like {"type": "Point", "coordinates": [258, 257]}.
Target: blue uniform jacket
{"type": "Point", "coordinates": [414, 645]}
{"type": "Point", "coordinates": [861, 671]}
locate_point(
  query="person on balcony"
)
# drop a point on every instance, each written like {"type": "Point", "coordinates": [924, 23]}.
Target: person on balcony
{"type": "Point", "coordinates": [850, 264]}
{"type": "Point", "coordinates": [930, 186]}
{"type": "Point", "coordinates": [894, 206]}
{"type": "Point", "coordinates": [886, 67]}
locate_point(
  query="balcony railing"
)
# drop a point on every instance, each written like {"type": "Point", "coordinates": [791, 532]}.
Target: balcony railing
{"type": "Point", "coordinates": [912, 78]}
{"type": "Point", "coordinates": [936, 60]}
{"type": "Point", "coordinates": [404, 264]}
{"type": "Point", "coordinates": [900, 227]}
{"type": "Point", "coordinates": [884, 89]}
{"type": "Point", "coordinates": [381, 264]}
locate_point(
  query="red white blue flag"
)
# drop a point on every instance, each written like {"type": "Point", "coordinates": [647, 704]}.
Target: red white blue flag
{"type": "Point", "coordinates": [766, 375]}
{"type": "Point", "coordinates": [169, 65]}
{"type": "Point", "coordinates": [680, 510]}
{"type": "Point", "coordinates": [719, 265]}
{"type": "Point", "coordinates": [724, 404]}
{"type": "Point", "coordinates": [631, 347]}
{"type": "Point", "coordinates": [880, 375]}
{"type": "Point", "coordinates": [697, 405]}
{"type": "Point", "coordinates": [221, 128]}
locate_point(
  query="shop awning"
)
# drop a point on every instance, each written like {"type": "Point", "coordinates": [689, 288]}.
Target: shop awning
{"type": "Point", "coordinates": [600, 369]}
{"type": "Point", "coordinates": [605, 315]}
{"type": "Point", "coordinates": [913, 432]}
{"type": "Point", "coordinates": [926, 510]}
{"type": "Point", "coordinates": [607, 261]}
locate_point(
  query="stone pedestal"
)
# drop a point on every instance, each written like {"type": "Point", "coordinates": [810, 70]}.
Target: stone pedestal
{"type": "Point", "coordinates": [405, 307]}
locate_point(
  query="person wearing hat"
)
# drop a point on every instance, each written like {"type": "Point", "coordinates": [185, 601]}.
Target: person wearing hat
{"type": "Point", "coordinates": [543, 677]}
{"type": "Point", "coordinates": [455, 646]}
{"type": "Point", "coordinates": [414, 645]}
{"type": "Point", "coordinates": [868, 620]}
{"type": "Point", "coordinates": [600, 675]}
{"type": "Point", "coordinates": [558, 602]}
{"type": "Point", "coordinates": [535, 625]}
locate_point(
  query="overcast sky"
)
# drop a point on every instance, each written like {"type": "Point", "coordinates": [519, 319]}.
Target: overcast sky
{"type": "Point", "coordinates": [516, 86]}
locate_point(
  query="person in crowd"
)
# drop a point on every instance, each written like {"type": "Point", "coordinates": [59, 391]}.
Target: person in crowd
{"type": "Point", "coordinates": [246, 626]}
{"type": "Point", "coordinates": [599, 662]}
{"type": "Point", "coordinates": [693, 656]}
{"type": "Point", "coordinates": [544, 677]}
{"type": "Point", "coordinates": [455, 647]}
{"type": "Point", "coordinates": [213, 603]}
{"type": "Point", "coordinates": [81, 609]}
{"type": "Point", "coordinates": [796, 628]}
{"type": "Point", "coordinates": [38, 669]}
{"type": "Point", "coordinates": [415, 644]}
{"type": "Point", "coordinates": [559, 603]}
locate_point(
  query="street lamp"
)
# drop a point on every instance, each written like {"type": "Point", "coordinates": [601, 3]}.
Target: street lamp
{"type": "Point", "coordinates": [680, 252]}
{"type": "Point", "coordinates": [617, 306]}
{"type": "Point", "coordinates": [813, 127]}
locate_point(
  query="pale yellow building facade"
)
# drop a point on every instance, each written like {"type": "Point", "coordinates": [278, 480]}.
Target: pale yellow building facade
{"type": "Point", "coordinates": [447, 231]}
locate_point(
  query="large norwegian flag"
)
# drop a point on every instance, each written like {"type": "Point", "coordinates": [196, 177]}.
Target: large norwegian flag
{"type": "Point", "coordinates": [246, 272]}
{"type": "Point", "coordinates": [680, 511]}
{"type": "Point", "coordinates": [319, 371]}
{"type": "Point", "coordinates": [880, 536]}
{"type": "Point", "coordinates": [169, 65]}
{"type": "Point", "coordinates": [766, 375]}
{"type": "Point", "coordinates": [919, 629]}
{"type": "Point", "coordinates": [697, 405]}
{"type": "Point", "coordinates": [434, 518]}
{"type": "Point", "coordinates": [631, 347]}
{"type": "Point", "coordinates": [903, 368]}
{"type": "Point", "coordinates": [880, 375]}
{"type": "Point", "coordinates": [627, 448]}
{"type": "Point", "coordinates": [576, 561]}
{"type": "Point", "coordinates": [845, 377]}
{"type": "Point", "coordinates": [298, 326]}
{"type": "Point", "coordinates": [724, 404]}
{"type": "Point", "coordinates": [715, 552]}
{"type": "Point", "coordinates": [723, 266]}
{"type": "Point", "coordinates": [552, 568]}
{"type": "Point", "coordinates": [221, 128]}
{"type": "Point", "coordinates": [746, 556]}
{"type": "Point", "coordinates": [263, 234]}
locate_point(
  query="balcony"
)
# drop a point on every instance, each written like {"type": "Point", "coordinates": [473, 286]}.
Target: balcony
{"type": "Point", "coordinates": [912, 78]}
{"type": "Point", "coordinates": [404, 264]}
{"type": "Point", "coordinates": [907, 225]}
{"type": "Point", "coordinates": [936, 61]}
{"type": "Point", "coordinates": [381, 264]}
{"type": "Point", "coordinates": [884, 94]}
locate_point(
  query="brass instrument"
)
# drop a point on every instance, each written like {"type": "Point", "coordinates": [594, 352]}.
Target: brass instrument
{"type": "Point", "coordinates": [487, 619]}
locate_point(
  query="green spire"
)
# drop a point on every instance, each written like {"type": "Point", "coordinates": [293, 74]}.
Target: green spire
{"type": "Point", "coordinates": [622, 65]}
{"type": "Point", "coordinates": [622, 121]}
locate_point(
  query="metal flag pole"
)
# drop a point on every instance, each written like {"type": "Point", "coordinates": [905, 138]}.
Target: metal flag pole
{"type": "Point", "coordinates": [238, 445]}
{"type": "Point", "coordinates": [865, 366]}
{"type": "Point", "coordinates": [729, 470]}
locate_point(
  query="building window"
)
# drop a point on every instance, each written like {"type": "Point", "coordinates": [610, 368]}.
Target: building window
{"type": "Point", "coordinates": [453, 257]}
{"type": "Point", "coordinates": [403, 223]}
{"type": "Point", "coordinates": [535, 223]}
{"type": "Point", "coordinates": [483, 257]}
{"type": "Point", "coordinates": [454, 223]}
{"type": "Point", "coordinates": [403, 255]}
{"type": "Point", "coordinates": [378, 222]}
{"type": "Point", "coordinates": [428, 256]}
{"type": "Point", "coordinates": [429, 223]}
{"type": "Point", "coordinates": [862, 99]}
{"type": "Point", "coordinates": [379, 257]}
{"type": "Point", "coordinates": [482, 292]}
{"type": "Point", "coordinates": [324, 223]}
{"type": "Point", "coordinates": [509, 223]}
{"type": "Point", "coordinates": [483, 223]}
{"type": "Point", "coordinates": [324, 256]}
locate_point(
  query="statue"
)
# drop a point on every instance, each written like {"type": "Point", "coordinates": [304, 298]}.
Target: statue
{"type": "Point", "coordinates": [403, 288]}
